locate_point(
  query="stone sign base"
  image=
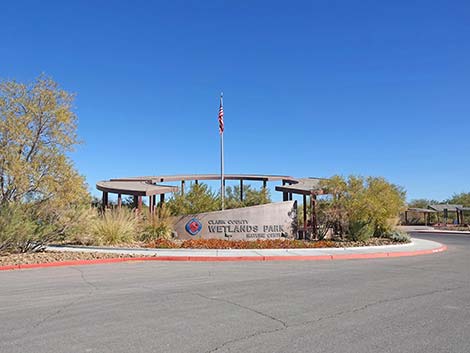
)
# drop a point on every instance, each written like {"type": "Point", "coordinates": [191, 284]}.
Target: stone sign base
{"type": "Point", "coordinates": [269, 221]}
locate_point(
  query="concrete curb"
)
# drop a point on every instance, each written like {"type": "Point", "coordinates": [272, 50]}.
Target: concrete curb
{"type": "Point", "coordinates": [377, 255]}
{"type": "Point", "coordinates": [437, 231]}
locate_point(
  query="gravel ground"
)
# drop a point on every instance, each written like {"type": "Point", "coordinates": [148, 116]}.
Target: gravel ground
{"type": "Point", "coordinates": [46, 257]}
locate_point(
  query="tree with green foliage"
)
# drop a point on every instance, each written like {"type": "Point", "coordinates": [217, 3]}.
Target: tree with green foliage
{"type": "Point", "coordinates": [418, 217]}
{"type": "Point", "coordinates": [421, 203]}
{"type": "Point", "coordinates": [39, 185]}
{"type": "Point", "coordinates": [198, 199]}
{"type": "Point", "coordinates": [37, 130]}
{"type": "Point", "coordinates": [460, 199]}
{"type": "Point", "coordinates": [251, 196]}
{"type": "Point", "coordinates": [363, 207]}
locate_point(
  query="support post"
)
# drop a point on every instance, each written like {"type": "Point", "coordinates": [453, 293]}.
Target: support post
{"type": "Point", "coordinates": [182, 187]}
{"type": "Point", "coordinates": [119, 201]}
{"type": "Point", "coordinates": [285, 197]}
{"type": "Point", "coordinates": [313, 215]}
{"type": "Point", "coordinates": [162, 199]}
{"type": "Point", "coordinates": [139, 203]}
{"type": "Point", "coordinates": [241, 190]}
{"type": "Point", "coordinates": [136, 202]}
{"type": "Point", "coordinates": [406, 217]}
{"type": "Point", "coordinates": [151, 205]}
{"type": "Point", "coordinates": [305, 214]}
{"type": "Point", "coordinates": [265, 184]}
{"type": "Point", "coordinates": [104, 200]}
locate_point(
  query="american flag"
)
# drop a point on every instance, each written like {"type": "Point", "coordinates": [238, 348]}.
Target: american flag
{"type": "Point", "coordinates": [221, 116]}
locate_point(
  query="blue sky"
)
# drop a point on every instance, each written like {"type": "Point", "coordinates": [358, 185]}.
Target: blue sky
{"type": "Point", "coordinates": [311, 88]}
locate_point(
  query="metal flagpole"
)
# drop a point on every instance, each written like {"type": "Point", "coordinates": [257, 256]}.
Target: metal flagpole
{"type": "Point", "coordinates": [221, 130]}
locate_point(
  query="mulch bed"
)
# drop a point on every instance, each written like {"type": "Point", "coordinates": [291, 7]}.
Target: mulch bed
{"type": "Point", "coordinates": [264, 244]}
{"type": "Point", "coordinates": [50, 256]}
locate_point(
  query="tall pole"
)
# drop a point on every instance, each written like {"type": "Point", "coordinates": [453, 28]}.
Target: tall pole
{"type": "Point", "coordinates": [221, 131]}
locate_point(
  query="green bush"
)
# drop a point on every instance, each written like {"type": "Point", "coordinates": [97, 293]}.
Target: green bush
{"type": "Point", "coordinates": [361, 230]}
{"type": "Point", "coordinates": [398, 236]}
{"type": "Point", "coordinates": [356, 201]}
{"type": "Point", "coordinates": [115, 226]}
{"type": "Point", "coordinates": [21, 230]}
{"type": "Point", "coordinates": [78, 225]}
{"type": "Point", "coordinates": [251, 196]}
{"type": "Point", "coordinates": [198, 199]}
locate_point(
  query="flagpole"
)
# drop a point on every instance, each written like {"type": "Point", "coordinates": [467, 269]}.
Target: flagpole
{"type": "Point", "coordinates": [222, 181]}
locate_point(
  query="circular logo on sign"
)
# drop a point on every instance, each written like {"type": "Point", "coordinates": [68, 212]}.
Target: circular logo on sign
{"type": "Point", "coordinates": [193, 226]}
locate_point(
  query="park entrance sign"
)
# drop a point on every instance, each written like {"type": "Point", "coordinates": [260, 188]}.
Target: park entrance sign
{"type": "Point", "coordinates": [269, 221]}
{"type": "Point", "coordinates": [257, 222]}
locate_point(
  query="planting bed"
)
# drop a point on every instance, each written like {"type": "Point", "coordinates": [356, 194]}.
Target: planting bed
{"type": "Point", "coordinates": [265, 244]}
{"type": "Point", "coordinates": [48, 257]}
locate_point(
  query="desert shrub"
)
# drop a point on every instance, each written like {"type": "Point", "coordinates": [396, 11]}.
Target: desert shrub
{"type": "Point", "coordinates": [22, 230]}
{"type": "Point", "coordinates": [156, 226]}
{"type": "Point", "coordinates": [361, 230]}
{"type": "Point", "coordinates": [78, 224]}
{"type": "Point", "coordinates": [398, 236]}
{"type": "Point", "coordinates": [115, 226]}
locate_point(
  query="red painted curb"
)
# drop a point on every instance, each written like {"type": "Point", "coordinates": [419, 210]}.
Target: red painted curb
{"type": "Point", "coordinates": [228, 258]}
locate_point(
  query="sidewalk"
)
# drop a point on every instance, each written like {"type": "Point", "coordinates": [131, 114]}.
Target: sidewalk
{"type": "Point", "coordinates": [416, 247]}
{"type": "Point", "coordinates": [427, 229]}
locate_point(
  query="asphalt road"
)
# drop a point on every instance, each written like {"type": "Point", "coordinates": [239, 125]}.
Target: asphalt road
{"type": "Point", "coordinates": [411, 304]}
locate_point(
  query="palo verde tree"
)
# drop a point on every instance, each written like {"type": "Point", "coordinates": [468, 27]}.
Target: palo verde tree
{"type": "Point", "coordinates": [37, 130]}
{"type": "Point", "coordinates": [363, 207]}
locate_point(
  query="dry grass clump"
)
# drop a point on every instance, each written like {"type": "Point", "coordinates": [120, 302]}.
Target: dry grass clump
{"type": "Point", "coordinates": [156, 226]}
{"type": "Point", "coordinates": [115, 226]}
